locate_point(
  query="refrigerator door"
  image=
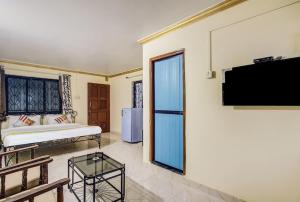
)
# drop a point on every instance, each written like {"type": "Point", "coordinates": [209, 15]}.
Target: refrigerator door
{"type": "Point", "coordinates": [137, 125]}
{"type": "Point", "coordinates": [126, 125]}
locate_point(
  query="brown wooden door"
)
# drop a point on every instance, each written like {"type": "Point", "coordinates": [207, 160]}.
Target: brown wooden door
{"type": "Point", "coordinates": [98, 106]}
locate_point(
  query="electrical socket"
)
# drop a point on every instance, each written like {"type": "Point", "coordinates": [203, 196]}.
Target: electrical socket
{"type": "Point", "coordinates": [211, 74]}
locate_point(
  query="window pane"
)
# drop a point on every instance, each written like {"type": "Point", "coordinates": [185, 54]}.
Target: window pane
{"type": "Point", "coordinates": [138, 94]}
{"type": "Point", "coordinates": [35, 95]}
{"type": "Point", "coordinates": [53, 102]}
{"type": "Point", "coordinates": [28, 95]}
{"type": "Point", "coordinates": [169, 139]}
{"type": "Point", "coordinates": [16, 94]}
{"type": "Point", "coordinates": [169, 84]}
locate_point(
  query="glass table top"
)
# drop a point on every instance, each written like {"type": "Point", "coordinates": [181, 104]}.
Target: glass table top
{"type": "Point", "coordinates": [95, 164]}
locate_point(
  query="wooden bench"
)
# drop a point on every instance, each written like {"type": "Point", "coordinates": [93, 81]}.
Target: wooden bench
{"type": "Point", "coordinates": [24, 192]}
{"type": "Point", "coordinates": [31, 194]}
{"type": "Point", "coordinates": [16, 152]}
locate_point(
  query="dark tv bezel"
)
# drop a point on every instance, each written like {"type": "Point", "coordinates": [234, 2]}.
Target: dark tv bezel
{"type": "Point", "coordinates": [270, 64]}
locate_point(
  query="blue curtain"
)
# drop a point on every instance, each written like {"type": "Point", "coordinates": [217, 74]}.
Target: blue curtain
{"type": "Point", "coordinates": [168, 109]}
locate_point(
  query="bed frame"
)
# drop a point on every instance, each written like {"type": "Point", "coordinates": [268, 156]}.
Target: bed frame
{"type": "Point", "coordinates": [51, 143]}
{"type": "Point", "coordinates": [93, 137]}
{"type": "Point", "coordinates": [73, 114]}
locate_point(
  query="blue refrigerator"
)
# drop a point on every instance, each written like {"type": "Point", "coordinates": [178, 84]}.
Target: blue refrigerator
{"type": "Point", "coordinates": [132, 125]}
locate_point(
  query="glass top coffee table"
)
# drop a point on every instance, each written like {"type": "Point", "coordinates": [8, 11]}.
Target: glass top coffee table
{"type": "Point", "coordinates": [96, 177]}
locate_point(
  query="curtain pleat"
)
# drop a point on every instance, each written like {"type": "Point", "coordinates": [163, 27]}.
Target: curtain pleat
{"type": "Point", "coordinates": [65, 93]}
{"type": "Point", "coordinates": [2, 95]}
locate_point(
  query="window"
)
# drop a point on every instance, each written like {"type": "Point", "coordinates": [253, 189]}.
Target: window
{"type": "Point", "coordinates": [137, 94]}
{"type": "Point", "coordinates": [27, 95]}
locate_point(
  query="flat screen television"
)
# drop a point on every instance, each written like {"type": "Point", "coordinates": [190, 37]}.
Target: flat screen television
{"type": "Point", "coordinates": [273, 83]}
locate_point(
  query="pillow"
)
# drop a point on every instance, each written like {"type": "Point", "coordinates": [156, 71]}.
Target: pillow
{"type": "Point", "coordinates": [23, 121]}
{"type": "Point", "coordinates": [62, 119]}
{"type": "Point", "coordinates": [36, 119]}
{"type": "Point", "coordinates": [50, 118]}
{"type": "Point", "coordinates": [13, 119]}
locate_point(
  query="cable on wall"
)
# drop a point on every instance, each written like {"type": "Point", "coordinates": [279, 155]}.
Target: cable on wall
{"type": "Point", "coordinates": [212, 74]}
{"type": "Point", "coordinates": [129, 77]}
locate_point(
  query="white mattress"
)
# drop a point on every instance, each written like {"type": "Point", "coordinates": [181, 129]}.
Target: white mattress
{"type": "Point", "coordinates": [41, 133]}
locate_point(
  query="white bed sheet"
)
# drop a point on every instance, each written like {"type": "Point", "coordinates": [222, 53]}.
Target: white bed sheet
{"type": "Point", "coordinates": [42, 133]}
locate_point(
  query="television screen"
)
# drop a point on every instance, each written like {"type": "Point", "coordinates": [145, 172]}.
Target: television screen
{"type": "Point", "coordinates": [274, 83]}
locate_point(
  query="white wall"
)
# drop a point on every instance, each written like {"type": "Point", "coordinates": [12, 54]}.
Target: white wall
{"type": "Point", "coordinates": [121, 97]}
{"type": "Point", "coordinates": [78, 84]}
{"type": "Point", "coordinates": [252, 153]}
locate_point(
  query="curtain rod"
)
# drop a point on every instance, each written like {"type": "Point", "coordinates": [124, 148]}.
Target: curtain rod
{"type": "Point", "coordinates": [29, 71]}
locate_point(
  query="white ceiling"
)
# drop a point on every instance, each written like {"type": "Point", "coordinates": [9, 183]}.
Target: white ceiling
{"type": "Point", "coordinates": [89, 35]}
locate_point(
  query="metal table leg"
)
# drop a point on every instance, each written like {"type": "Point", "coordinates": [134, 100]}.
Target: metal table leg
{"type": "Point", "coordinates": [94, 190]}
{"type": "Point", "coordinates": [69, 173]}
{"type": "Point", "coordinates": [73, 172]}
{"type": "Point", "coordinates": [123, 184]}
{"type": "Point", "coordinates": [84, 189]}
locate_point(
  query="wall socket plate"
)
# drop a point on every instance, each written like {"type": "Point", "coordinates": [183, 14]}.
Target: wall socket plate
{"type": "Point", "coordinates": [211, 74]}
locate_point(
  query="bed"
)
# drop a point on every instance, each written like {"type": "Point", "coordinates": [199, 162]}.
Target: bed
{"type": "Point", "coordinates": [48, 134]}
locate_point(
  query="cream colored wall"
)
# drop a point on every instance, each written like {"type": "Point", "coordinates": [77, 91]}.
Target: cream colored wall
{"type": "Point", "coordinates": [121, 97]}
{"type": "Point", "coordinates": [253, 154]}
{"type": "Point", "coordinates": [78, 84]}
{"type": "Point", "coordinates": [121, 90]}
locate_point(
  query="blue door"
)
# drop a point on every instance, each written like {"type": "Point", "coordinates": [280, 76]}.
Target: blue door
{"type": "Point", "coordinates": [168, 112]}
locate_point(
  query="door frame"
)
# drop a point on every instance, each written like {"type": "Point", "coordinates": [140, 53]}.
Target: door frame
{"type": "Point", "coordinates": [151, 101]}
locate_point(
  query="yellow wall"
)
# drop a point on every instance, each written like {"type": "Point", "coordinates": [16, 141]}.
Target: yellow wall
{"type": "Point", "coordinates": [78, 84]}
{"type": "Point", "coordinates": [121, 97]}
{"type": "Point", "coordinates": [253, 154]}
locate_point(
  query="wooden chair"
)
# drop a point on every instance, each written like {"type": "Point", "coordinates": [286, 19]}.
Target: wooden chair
{"type": "Point", "coordinates": [16, 152]}
{"type": "Point", "coordinates": [30, 195]}
{"type": "Point", "coordinates": [31, 184]}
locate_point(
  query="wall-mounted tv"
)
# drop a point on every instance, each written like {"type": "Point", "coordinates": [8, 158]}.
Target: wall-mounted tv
{"type": "Point", "coordinates": [273, 83]}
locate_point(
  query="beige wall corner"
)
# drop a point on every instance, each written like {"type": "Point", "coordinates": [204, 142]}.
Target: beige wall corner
{"type": "Point", "coordinates": [121, 97]}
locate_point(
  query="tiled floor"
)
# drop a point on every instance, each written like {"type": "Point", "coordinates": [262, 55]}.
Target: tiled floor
{"type": "Point", "coordinates": [144, 182]}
